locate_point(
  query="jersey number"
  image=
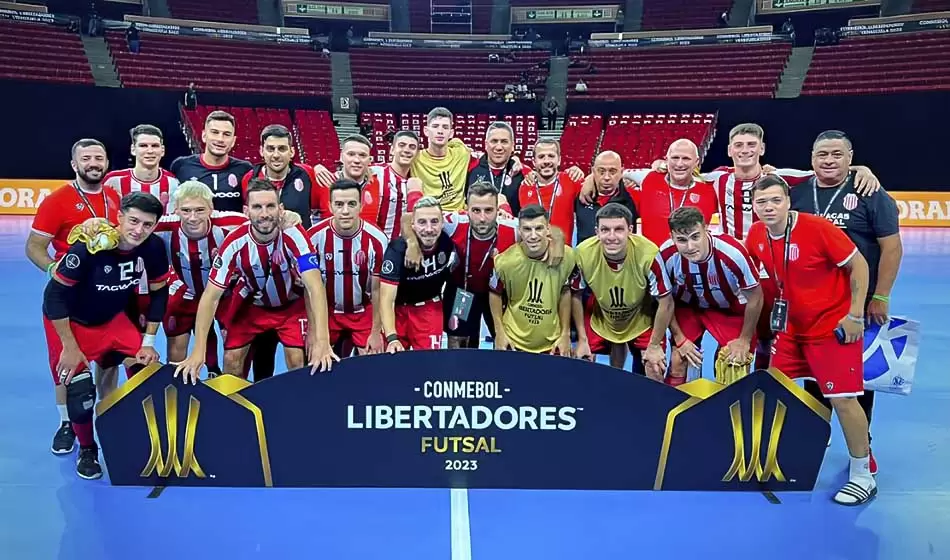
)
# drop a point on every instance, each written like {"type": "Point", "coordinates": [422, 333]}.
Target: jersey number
{"type": "Point", "coordinates": [214, 179]}
{"type": "Point", "coordinates": [126, 270]}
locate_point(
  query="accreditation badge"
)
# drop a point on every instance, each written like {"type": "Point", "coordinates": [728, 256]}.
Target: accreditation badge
{"type": "Point", "coordinates": [462, 305]}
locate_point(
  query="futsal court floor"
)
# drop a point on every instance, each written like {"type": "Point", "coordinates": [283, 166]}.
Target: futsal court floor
{"type": "Point", "coordinates": [47, 512]}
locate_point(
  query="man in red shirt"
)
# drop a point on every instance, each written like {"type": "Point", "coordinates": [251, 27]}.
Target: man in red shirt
{"type": "Point", "coordinates": [61, 211]}
{"type": "Point", "coordinates": [821, 281]}
{"type": "Point", "coordinates": [555, 190]}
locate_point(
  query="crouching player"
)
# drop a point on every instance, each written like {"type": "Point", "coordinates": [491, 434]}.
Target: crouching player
{"type": "Point", "coordinates": [624, 274]}
{"type": "Point", "coordinates": [716, 289]}
{"type": "Point", "coordinates": [270, 262]}
{"type": "Point", "coordinates": [84, 311]}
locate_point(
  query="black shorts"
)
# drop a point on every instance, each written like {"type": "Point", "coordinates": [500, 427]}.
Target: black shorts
{"type": "Point", "coordinates": [472, 327]}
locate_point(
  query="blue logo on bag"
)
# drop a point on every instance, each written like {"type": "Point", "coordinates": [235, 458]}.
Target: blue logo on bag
{"type": "Point", "coordinates": [883, 347]}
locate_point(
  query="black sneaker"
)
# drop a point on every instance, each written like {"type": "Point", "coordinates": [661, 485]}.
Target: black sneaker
{"type": "Point", "coordinates": [88, 465]}
{"type": "Point", "coordinates": [65, 440]}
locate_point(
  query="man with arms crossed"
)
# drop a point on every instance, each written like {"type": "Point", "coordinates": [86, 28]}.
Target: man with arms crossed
{"type": "Point", "coordinates": [352, 250]}
{"type": "Point", "coordinates": [61, 211]}
{"type": "Point", "coordinates": [270, 261]}
{"type": "Point", "coordinates": [871, 222]}
{"type": "Point", "coordinates": [624, 274]}
{"type": "Point", "coordinates": [410, 300]}
{"type": "Point", "coordinates": [818, 316]}
{"type": "Point", "coordinates": [84, 313]}
{"type": "Point", "coordinates": [538, 315]}
{"type": "Point", "coordinates": [716, 289]}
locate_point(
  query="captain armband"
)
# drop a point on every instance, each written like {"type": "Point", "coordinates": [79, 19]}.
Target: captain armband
{"type": "Point", "coordinates": [308, 262]}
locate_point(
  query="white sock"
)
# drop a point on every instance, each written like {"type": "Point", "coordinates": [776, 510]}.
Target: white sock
{"type": "Point", "coordinates": [63, 414]}
{"type": "Point", "coordinates": [861, 472]}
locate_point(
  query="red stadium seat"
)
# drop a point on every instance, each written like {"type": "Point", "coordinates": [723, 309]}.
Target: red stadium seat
{"type": "Point", "coordinates": [41, 52]}
{"type": "Point", "coordinates": [641, 139]}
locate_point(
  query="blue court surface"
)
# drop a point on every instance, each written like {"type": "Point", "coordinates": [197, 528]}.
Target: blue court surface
{"type": "Point", "coordinates": [47, 512]}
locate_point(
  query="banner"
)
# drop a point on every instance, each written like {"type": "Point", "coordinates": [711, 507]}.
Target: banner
{"type": "Point", "coordinates": [687, 39]}
{"type": "Point", "coordinates": [34, 17]}
{"type": "Point", "coordinates": [890, 355]}
{"type": "Point", "coordinates": [564, 14]}
{"type": "Point", "coordinates": [21, 197]}
{"type": "Point", "coordinates": [166, 26]}
{"type": "Point", "coordinates": [464, 419]}
{"type": "Point", "coordinates": [391, 42]}
{"type": "Point", "coordinates": [895, 27]}
{"type": "Point", "coordinates": [923, 208]}
{"type": "Point", "coordinates": [766, 7]}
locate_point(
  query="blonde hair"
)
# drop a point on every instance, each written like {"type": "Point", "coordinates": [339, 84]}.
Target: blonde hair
{"type": "Point", "coordinates": [194, 189]}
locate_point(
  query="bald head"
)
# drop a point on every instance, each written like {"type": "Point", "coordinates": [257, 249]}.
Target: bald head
{"type": "Point", "coordinates": [608, 170]}
{"type": "Point", "coordinates": [684, 145]}
{"type": "Point", "coordinates": [681, 160]}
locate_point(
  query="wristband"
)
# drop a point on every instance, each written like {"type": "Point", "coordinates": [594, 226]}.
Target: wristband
{"type": "Point", "coordinates": [680, 344]}
{"type": "Point", "coordinates": [148, 340]}
{"type": "Point", "coordinates": [855, 319]}
{"type": "Point", "coordinates": [390, 338]}
{"type": "Point", "coordinates": [49, 269]}
{"type": "Point", "coordinates": [885, 299]}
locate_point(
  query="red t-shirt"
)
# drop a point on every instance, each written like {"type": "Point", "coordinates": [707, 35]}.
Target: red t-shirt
{"type": "Point", "coordinates": [560, 195]}
{"type": "Point", "coordinates": [656, 200]}
{"type": "Point", "coordinates": [816, 285]}
{"type": "Point", "coordinates": [65, 209]}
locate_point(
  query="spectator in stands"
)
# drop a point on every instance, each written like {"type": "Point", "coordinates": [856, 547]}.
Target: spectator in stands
{"type": "Point", "coordinates": [552, 111]}
{"type": "Point", "coordinates": [619, 24]}
{"type": "Point", "coordinates": [724, 19]}
{"type": "Point", "coordinates": [581, 86]}
{"type": "Point", "coordinates": [492, 95]}
{"type": "Point", "coordinates": [132, 36]}
{"type": "Point", "coordinates": [191, 96]}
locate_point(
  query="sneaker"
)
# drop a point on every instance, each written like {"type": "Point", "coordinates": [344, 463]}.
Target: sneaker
{"type": "Point", "coordinates": [88, 464]}
{"type": "Point", "coordinates": [872, 466]}
{"type": "Point", "coordinates": [64, 441]}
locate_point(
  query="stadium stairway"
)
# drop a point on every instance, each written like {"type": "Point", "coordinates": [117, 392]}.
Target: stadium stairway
{"type": "Point", "coordinates": [793, 77]}
{"type": "Point", "coordinates": [341, 82]}
{"type": "Point", "coordinates": [740, 14]}
{"type": "Point", "coordinates": [557, 85]}
{"type": "Point", "coordinates": [500, 17]}
{"type": "Point", "coordinates": [346, 124]}
{"type": "Point", "coordinates": [100, 61]}
{"type": "Point", "coordinates": [632, 15]}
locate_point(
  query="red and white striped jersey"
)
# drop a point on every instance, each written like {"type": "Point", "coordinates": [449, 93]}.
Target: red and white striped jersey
{"type": "Point", "coordinates": [480, 263]}
{"type": "Point", "coordinates": [716, 282]}
{"type": "Point", "coordinates": [385, 200]}
{"type": "Point", "coordinates": [191, 258]}
{"type": "Point", "coordinates": [349, 263]}
{"type": "Point", "coordinates": [125, 182]}
{"type": "Point", "coordinates": [735, 197]}
{"type": "Point", "coordinates": [270, 270]}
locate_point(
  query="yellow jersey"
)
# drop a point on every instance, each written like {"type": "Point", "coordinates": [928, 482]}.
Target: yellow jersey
{"type": "Point", "coordinates": [623, 298]}
{"type": "Point", "coordinates": [531, 319]}
{"type": "Point", "coordinates": [444, 177]}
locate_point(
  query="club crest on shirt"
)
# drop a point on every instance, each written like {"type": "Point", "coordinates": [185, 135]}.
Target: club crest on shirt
{"type": "Point", "coordinates": [298, 184]}
{"type": "Point", "coordinates": [850, 201]}
{"type": "Point", "coordinates": [367, 197]}
{"type": "Point", "coordinates": [441, 258]}
{"type": "Point", "coordinates": [793, 252]}
{"type": "Point", "coordinates": [232, 180]}
{"type": "Point", "coordinates": [139, 265]}
{"type": "Point", "coordinates": [71, 261]}
{"type": "Point", "coordinates": [693, 197]}
{"type": "Point", "coordinates": [359, 258]}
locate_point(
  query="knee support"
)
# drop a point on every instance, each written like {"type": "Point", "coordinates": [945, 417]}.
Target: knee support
{"type": "Point", "coordinates": [81, 397]}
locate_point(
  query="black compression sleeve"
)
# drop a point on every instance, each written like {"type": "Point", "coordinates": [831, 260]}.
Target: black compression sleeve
{"type": "Point", "coordinates": [157, 302]}
{"type": "Point", "coordinates": [55, 301]}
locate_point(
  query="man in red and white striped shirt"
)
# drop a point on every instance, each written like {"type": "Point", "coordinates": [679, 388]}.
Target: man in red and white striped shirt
{"type": "Point", "coordinates": [352, 250]}
{"type": "Point", "coordinates": [387, 196]}
{"type": "Point", "coordinates": [193, 235]}
{"type": "Point", "coordinates": [273, 263]}
{"type": "Point", "coordinates": [715, 288]}
{"type": "Point", "coordinates": [148, 148]}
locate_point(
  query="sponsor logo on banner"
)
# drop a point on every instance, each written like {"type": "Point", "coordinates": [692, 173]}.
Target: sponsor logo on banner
{"type": "Point", "coordinates": [923, 208]}
{"type": "Point", "coordinates": [21, 197]}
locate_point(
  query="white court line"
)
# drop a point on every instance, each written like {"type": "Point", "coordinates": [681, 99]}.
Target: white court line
{"type": "Point", "coordinates": [461, 530]}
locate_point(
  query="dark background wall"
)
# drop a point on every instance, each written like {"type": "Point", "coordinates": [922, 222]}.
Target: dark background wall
{"type": "Point", "coordinates": [902, 137]}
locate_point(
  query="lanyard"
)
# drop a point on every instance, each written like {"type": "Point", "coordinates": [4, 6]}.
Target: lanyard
{"type": "Point", "coordinates": [814, 194]}
{"type": "Point", "coordinates": [468, 255]}
{"type": "Point", "coordinates": [682, 200]}
{"type": "Point", "coordinates": [557, 185]}
{"type": "Point", "coordinates": [504, 177]}
{"type": "Point", "coordinates": [786, 237]}
{"type": "Point", "coordinates": [85, 201]}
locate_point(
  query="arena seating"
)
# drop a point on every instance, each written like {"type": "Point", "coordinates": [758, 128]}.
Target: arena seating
{"type": "Point", "coordinates": [924, 6]}
{"type": "Point", "coordinates": [40, 52]}
{"type": "Point", "coordinates": [231, 11]}
{"type": "Point", "coordinates": [470, 128]}
{"type": "Point", "coordinates": [580, 140]}
{"type": "Point", "coordinates": [641, 139]}
{"type": "Point", "coordinates": [881, 64]}
{"type": "Point", "coordinates": [314, 136]}
{"type": "Point", "coordinates": [166, 62]}
{"type": "Point", "coordinates": [437, 73]}
{"type": "Point", "coordinates": [683, 14]}
{"type": "Point", "coordinates": [692, 72]}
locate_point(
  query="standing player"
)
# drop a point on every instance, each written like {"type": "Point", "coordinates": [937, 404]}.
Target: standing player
{"type": "Point", "coordinates": [85, 320]}
{"type": "Point", "coordinates": [215, 167]}
{"type": "Point", "coordinates": [871, 222]}
{"type": "Point", "coordinates": [387, 196]}
{"type": "Point", "coordinates": [537, 317]}
{"type": "Point", "coordinates": [496, 164]}
{"type": "Point", "coordinates": [410, 301]}
{"type": "Point", "coordinates": [555, 191]}
{"type": "Point", "coordinates": [625, 275]}
{"type": "Point", "coordinates": [609, 188]}
{"type": "Point", "coordinates": [818, 315]}
{"type": "Point", "coordinates": [352, 250]}
{"type": "Point", "coordinates": [148, 149]}
{"type": "Point", "coordinates": [716, 289]}
{"type": "Point", "coordinates": [270, 262]}
{"type": "Point", "coordinates": [443, 166]}
{"type": "Point", "coordinates": [61, 211]}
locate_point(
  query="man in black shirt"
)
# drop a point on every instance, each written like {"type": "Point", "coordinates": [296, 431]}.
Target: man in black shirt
{"type": "Point", "coordinates": [410, 301]}
{"type": "Point", "coordinates": [84, 311]}
{"type": "Point", "coordinates": [609, 187]}
{"type": "Point", "coordinates": [214, 166]}
{"type": "Point", "coordinates": [871, 222]}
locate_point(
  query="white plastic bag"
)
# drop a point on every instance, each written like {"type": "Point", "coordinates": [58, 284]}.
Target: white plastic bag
{"type": "Point", "coordinates": [890, 356]}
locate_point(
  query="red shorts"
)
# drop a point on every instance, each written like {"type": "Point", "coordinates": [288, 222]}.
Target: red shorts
{"type": "Point", "coordinates": [181, 313]}
{"type": "Point", "coordinates": [598, 345]}
{"type": "Point", "coordinates": [419, 325]}
{"type": "Point", "coordinates": [290, 323]}
{"type": "Point", "coordinates": [722, 325]}
{"type": "Point", "coordinates": [358, 326]}
{"type": "Point", "coordinates": [838, 368]}
{"type": "Point", "coordinates": [118, 335]}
